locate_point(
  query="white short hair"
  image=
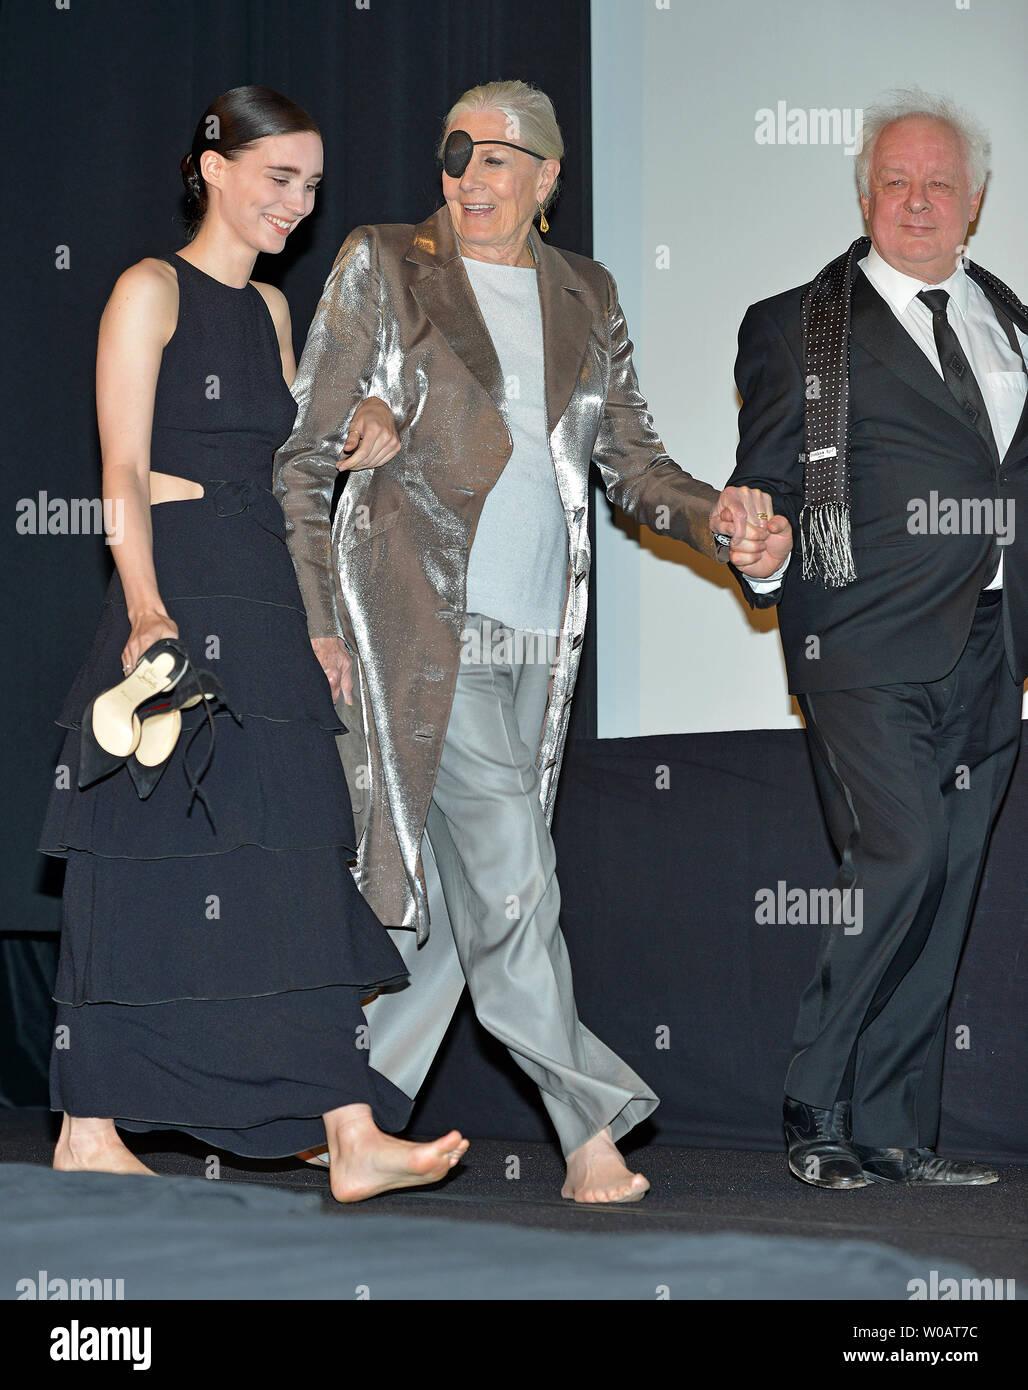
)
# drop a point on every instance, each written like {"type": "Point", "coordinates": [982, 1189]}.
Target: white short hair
{"type": "Point", "coordinates": [904, 103]}
{"type": "Point", "coordinates": [530, 118]}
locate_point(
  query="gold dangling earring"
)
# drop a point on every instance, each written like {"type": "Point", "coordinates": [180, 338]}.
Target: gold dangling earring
{"type": "Point", "coordinates": [544, 226]}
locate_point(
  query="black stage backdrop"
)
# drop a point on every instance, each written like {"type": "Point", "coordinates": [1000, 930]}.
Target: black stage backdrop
{"type": "Point", "coordinates": [659, 869]}
{"type": "Point", "coordinates": [663, 844]}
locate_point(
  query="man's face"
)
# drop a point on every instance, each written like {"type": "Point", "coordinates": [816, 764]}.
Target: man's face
{"type": "Point", "coordinates": [920, 201]}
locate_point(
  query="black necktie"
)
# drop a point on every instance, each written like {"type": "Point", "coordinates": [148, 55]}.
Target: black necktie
{"type": "Point", "coordinates": [957, 370]}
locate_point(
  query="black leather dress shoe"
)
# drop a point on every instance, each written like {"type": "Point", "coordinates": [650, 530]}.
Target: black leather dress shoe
{"type": "Point", "coordinates": [921, 1166]}
{"type": "Point", "coordinates": [820, 1148]}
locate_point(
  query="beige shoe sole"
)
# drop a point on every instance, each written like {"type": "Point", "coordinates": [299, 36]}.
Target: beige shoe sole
{"type": "Point", "coordinates": [117, 727]}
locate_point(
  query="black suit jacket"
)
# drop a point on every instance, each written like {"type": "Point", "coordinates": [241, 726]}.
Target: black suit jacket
{"type": "Point", "coordinates": [907, 615]}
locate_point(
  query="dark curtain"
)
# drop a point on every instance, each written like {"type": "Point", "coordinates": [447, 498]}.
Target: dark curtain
{"type": "Point", "coordinates": [99, 104]}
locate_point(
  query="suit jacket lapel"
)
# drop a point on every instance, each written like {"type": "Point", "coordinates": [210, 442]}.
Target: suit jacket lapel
{"type": "Point", "coordinates": [567, 324]}
{"type": "Point", "coordinates": [874, 326]}
{"type": "Point", "coordinates": [445, 296]}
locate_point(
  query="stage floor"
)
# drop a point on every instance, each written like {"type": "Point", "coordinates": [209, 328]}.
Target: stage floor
{"type": "Point", "coordinates": [723, 1220]}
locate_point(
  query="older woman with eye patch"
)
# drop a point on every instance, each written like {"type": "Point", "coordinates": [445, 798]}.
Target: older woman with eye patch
{"type": "Point", "coordinates": [447, 598]}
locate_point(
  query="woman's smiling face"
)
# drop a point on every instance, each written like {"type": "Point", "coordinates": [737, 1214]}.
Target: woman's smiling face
{"type": "Point", "coordinates": [268, 189]}
{"type": "Point", "coordinates": [493, 202]}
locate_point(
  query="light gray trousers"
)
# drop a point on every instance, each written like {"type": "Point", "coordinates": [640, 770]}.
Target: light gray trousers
{"type": "Point", "coordinates": [490, 870]}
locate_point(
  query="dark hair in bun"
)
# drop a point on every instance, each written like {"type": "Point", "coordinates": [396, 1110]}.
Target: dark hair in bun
{"type": "Point", "coordinates": [232, 123]}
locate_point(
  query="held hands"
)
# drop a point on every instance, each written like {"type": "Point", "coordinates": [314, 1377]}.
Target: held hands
{"type": "Point", "coordinates": [372, 438]}
{"type": "Point", "coordinates": [760, 541]}
{"type": "Point", "coordinates": [335, 662]}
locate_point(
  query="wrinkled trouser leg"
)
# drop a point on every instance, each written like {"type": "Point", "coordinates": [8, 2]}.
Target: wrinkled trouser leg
{"type": "Point", "coordinates": [491, 874]}
{"type": "Point", "coordinates": [911, 777]}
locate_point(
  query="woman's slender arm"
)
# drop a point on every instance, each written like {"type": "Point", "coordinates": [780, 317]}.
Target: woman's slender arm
{"type": "Point", "coordinates": [643, 481]}
{"type": "Point", "coordinates": [137, 323]}
{"type": "Point", "coordinates": [638, 475]}
{"type": "Point", "coordinates": [278, 308]}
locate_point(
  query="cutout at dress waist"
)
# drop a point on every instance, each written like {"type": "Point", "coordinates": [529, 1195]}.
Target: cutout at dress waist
{"type": "Point", "coordinates": [169, 487]}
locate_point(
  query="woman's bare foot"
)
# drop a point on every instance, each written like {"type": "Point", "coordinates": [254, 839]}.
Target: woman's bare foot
{"type": "Point", "coordinates": [597, 1173]}
{"type": "Point", "coordinates": [365, 1162]}
{"type": "Point", "coordinates": [94, 1146]}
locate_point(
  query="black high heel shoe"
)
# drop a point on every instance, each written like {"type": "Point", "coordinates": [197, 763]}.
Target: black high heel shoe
{"type": "Point", "coordinates": [111, 726]}
{"type": "Point", "coordinates": [162, 724]}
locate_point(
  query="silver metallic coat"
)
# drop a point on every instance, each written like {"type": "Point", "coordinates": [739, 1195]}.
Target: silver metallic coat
{"type": "Point", "coordinates": [398, 319]}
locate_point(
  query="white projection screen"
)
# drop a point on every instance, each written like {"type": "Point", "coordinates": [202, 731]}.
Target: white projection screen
{"type": "Point", "coordinates": [698, 215]}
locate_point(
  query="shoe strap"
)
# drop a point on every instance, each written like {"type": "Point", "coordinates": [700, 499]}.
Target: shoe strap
{"type": "Point", "coordinates": [207, 684]}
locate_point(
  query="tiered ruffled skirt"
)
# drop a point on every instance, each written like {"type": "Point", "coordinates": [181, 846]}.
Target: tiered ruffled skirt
{"type": "Point", "coordinates": [213, 959]}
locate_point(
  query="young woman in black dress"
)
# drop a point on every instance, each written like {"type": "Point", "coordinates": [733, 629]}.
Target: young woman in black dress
{"type": "Point", "coordinates": [215, 951]}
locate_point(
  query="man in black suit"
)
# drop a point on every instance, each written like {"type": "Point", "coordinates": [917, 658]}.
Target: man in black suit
{"type": "Point", "coordinates": [904, 625]}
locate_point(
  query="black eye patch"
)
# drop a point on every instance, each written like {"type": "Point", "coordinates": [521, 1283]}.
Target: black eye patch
{"type": "Point", "coordinates": [459, 148]}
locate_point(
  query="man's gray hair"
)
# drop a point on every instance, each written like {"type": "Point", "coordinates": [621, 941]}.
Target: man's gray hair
{"type": "Point", "coordinates": [901, 105]}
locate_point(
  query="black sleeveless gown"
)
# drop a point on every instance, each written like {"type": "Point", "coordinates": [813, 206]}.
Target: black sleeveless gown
{"type": "Point", "coordinates": [213, 962]}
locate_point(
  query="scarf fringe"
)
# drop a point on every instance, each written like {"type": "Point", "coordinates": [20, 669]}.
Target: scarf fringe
{"type": "Point", "coordinates": [825, 543]}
